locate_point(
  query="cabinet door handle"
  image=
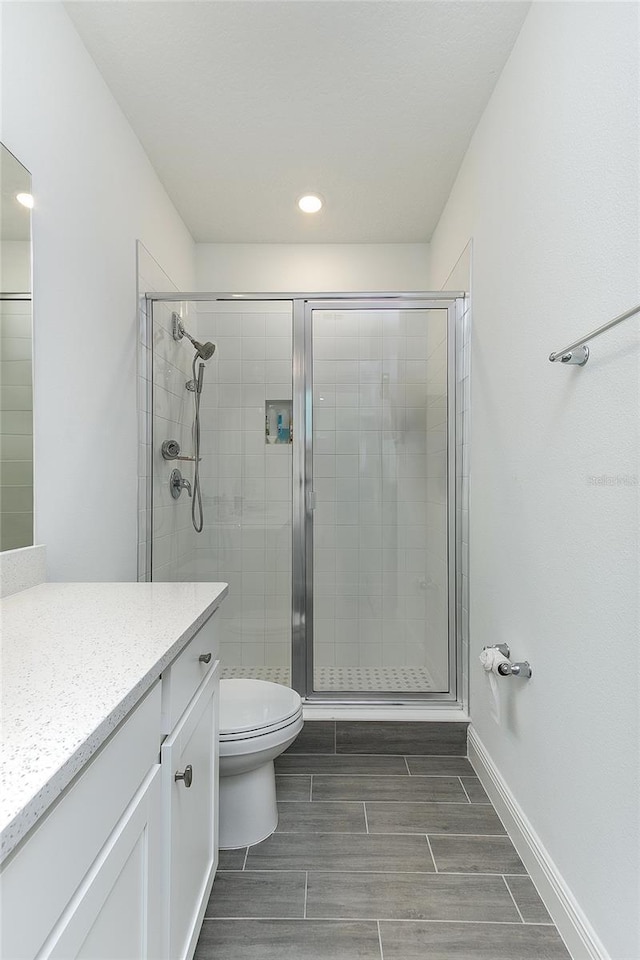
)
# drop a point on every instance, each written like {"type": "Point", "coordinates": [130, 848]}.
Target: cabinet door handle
{"type": "Point", "coordinates": [205, 658]}
{"type": "Point", "coordinates": [187, 776]}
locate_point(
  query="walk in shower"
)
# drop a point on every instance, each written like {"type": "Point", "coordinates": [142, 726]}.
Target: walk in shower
{"type": "Point", "coordinates": [328, 442]}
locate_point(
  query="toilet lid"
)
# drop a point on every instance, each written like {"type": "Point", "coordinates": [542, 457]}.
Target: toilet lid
{"type": "Point", "coordinates": [247, 705]}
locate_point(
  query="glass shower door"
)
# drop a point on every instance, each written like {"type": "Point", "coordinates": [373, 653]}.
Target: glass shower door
{"type": "Point", "coordinates": [380, 523]}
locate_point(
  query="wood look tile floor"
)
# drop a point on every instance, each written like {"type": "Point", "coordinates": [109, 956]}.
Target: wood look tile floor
{"type": "Point", "coordinates": [378, 858]}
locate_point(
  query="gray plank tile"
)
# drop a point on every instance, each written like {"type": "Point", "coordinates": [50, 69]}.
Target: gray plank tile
{"type": "Point", "coordinates": [464, 818]}
{"type": "Point", "coordinates": [529, 903]}
{"type": "Point", "coordinates": [388, 788]}
{"type": "Point", "coordinates": [317, 736]}
{"type": "Point", "coordinates": [440, 767]}
{"type": "Point", "coordinates": [287, 940]}
{"type": "Point", "coordinates": [471, 941]}
{"type": "Point", "coordinates": [476, 855]}
{"type": "Point", "coordinates": [293, 788]}
{"type": "Point", "coordinates": [371, 766]}
{"type": "Point", "coordinates": [253, 894]}
{"type": "Point", "coordinates": [231, 859]}
{"type": "Point", "coordinates": [406, 896]}
{"type": "Point", "coordinates": [475, 790]}
{"type": "Point", "coordinates": [335, 851]}
{"type": "Point", "coordinates": [332, 817]}
{"type": "Point", "coordinates": [402, 737]}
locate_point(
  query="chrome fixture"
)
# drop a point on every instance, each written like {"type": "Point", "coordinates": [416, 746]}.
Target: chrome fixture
{"type": "Point", "coordinates": [520, 669]}
{"type": "Point", "coordinates": [577, 352]}
{"type": "Point", "coordinates": [204, 350]}
{"type": "Point", "coordinates": [171, 451]}
{"type": "Point", "coordinates": [205, 658]}
{"type": "Point", "coordinates": [186, 775]}
{"type": "Point", "coordinates": [177, 484]}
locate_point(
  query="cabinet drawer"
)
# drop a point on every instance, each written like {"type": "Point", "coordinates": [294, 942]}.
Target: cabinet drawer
{"type": "Point", "coordinates": [183, 677]}
{"type": "Point", "coordinates": [38, 882]}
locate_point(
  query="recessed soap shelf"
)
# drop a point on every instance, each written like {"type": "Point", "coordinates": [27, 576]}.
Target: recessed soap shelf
{"type": "Point", "coordinates": [278, 422]}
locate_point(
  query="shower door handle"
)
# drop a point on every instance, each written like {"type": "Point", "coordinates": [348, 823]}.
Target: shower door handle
{"type": "Point", "coordinates": [312, 500]}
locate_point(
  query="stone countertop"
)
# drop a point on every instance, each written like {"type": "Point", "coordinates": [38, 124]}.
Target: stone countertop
{"type": "Point", "coordinates": [76, 658]}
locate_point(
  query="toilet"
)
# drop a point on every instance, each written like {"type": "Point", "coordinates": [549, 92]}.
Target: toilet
{"type": "Point", "coordinates": [258, 721]}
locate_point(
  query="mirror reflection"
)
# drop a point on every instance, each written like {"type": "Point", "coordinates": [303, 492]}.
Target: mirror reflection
{"type": "Point", "coordinates": [16, 394]}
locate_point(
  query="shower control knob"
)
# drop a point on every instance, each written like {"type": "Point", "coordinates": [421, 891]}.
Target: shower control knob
{"type": "Point", "coordinates": [205, 658]}
{"type": "Point", "coordinates": [170, 449]}
{"type": "Point", "coordinates": [186, 775]}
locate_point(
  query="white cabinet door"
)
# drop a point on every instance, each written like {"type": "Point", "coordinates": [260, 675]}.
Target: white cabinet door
{"type": "Point", "coordinates": [115, 913]}
{"type": "Point", "coordinates": [191, 815]}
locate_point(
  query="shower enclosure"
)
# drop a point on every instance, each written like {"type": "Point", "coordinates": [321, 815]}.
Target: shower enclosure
{"type": "Point", "coordinates": [328, 475]}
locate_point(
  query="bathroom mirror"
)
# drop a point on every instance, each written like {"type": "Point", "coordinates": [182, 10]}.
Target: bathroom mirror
{"type": "Point", "coordinates": [16, 377]}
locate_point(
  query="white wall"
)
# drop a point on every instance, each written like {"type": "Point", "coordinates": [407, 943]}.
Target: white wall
{"type": "Point", "coordinates": [549, 193]}
{"type": "Point", "coordinates": [95, 193]}
{"type": "Point", "coordinates": [311, 267]}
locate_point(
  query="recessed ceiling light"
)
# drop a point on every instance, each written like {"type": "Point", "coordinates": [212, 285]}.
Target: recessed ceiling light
{"type": "Point", "coordinates": [25, 199]}
{"type": "Point", "coordinates": [310, 203]}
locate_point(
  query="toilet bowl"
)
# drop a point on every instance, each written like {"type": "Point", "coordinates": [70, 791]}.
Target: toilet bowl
{"type": "Point", "coordinates": [258, 721]}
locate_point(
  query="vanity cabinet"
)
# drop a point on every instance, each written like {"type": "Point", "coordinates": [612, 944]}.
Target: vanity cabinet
{"type": "Point", "coordinates": [86, 882]}
{"type": "Point", "coordinates": [122, 865]}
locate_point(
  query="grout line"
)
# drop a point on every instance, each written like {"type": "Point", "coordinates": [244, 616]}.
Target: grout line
{"type": "Point", "coordinates": [380, 939]}
{"type": "Point", "coordinates": [465, 789]}
{"type": "Point", "coordinates": [512, 897]}
{"type": "Point", "coordinates": [361, 776]}
{"type": "Point", "coordinates": [383, 873]}
{"type": "Point", "coordinates": [435, 865]}
{"type": "Point", "coordinates": [399, 833]}
{"type": "Point", "coordinates": [502, 923]}
{"type": "Point", "coordinates": [366, 819]}
{"type": "Point", "coordinates": [246, 857]}
{"type": "Point", "coordinates": [306, 889]}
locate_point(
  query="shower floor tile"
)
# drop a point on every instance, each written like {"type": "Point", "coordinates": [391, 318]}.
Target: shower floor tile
{"type": "Point", "coordinates": [357, 679]}
{"type": "Point", "coordinates": [350, 871]}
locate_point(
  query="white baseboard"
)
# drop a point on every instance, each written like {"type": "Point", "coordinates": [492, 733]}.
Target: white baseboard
{"type": "Point", "coordinates": [573, 926]}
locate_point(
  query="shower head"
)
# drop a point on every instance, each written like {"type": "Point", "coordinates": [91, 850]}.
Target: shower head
{"type": "Point", "coordinates": [203, 350]}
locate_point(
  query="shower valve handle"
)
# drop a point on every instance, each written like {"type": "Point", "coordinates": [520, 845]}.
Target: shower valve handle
{"type": "Point", "coordinates": [177, 484]}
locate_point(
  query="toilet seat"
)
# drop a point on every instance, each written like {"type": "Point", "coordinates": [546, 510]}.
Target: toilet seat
{"type": "Point", "coordinates": [256, 708]}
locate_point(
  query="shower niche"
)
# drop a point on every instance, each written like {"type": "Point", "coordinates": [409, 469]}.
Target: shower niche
{"type": "Point", "coordinates": [278, 421]}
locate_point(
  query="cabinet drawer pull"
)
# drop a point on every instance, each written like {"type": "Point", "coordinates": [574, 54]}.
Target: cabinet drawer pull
{"type": "Point", "coordinates": [205, 658]}
{"type": "Point", "coordinates": [187, 776]}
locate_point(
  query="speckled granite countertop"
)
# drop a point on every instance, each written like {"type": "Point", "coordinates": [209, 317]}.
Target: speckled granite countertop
{"type": "Point", "coordinates": [76, 658]}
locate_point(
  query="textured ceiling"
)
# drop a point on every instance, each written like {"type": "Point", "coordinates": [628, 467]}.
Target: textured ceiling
{"type": "Point", "coordinates": [243, 105]}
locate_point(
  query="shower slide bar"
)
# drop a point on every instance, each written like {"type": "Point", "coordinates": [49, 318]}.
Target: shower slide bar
{"type": "Point", "coordinates": [577, 352]}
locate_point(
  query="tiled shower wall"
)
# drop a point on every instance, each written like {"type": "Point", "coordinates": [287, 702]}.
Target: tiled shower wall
{"type": "Point", "coordinates": [246, 483]}
{"type": "Point", "coordinates": [16, 425]}
{"type": "Point", "coordinates": [166, 535]}
{"type": "Point", "coordinates": [380, 468]}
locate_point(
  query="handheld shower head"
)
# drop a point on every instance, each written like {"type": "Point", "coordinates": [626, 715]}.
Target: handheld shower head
{"type": "Point", "coordinates": [203, 350]}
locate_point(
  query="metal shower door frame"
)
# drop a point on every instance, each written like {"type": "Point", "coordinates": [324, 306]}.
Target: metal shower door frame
{"type": "Point", "coordinates": [303, 496]}
{"type": "Point", "coordinates": [302, 520]}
